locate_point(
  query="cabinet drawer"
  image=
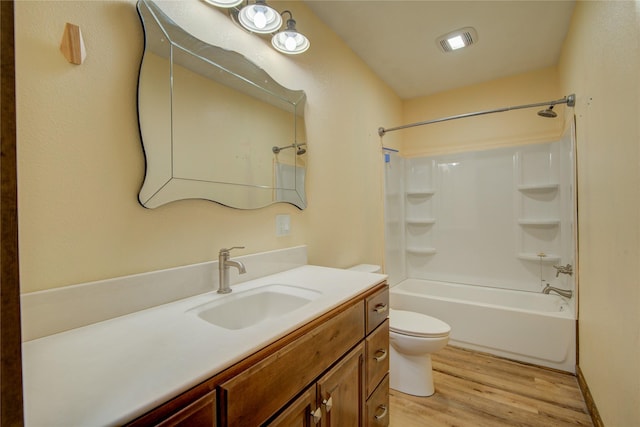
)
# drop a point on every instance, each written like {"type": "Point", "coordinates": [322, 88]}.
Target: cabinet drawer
{"type": "Point", "coordinates": [377, 407]}
{"type": "Point", "coordinates": [377, 308]}
{"type": "Point", "coordinates": [253, 396]}
{"type": "Point", "coordinates": [377, 356]}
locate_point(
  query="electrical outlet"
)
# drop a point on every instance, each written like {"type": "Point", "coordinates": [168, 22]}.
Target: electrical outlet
{"type": "Point", "coordinates": [283, 225]}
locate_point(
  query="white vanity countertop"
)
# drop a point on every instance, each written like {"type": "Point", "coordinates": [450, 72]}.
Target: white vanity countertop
{"type": "Point", "coordinates": [111, 372]}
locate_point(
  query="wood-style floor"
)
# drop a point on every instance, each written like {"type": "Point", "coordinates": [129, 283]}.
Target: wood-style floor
{"type": "Point", "coordinates": [475, 389]}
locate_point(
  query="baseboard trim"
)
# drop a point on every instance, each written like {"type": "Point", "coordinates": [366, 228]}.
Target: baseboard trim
{"type": "Point", "coordinates": [588, 399]}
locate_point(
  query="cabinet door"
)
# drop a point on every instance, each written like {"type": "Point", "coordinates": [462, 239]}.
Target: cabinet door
{"type": "Point", "coordinates": [302, 412]}
{"type": "Point", "coordinates": [340, 391]}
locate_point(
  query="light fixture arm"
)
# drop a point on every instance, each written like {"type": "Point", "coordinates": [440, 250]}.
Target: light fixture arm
{"type": "Point", "coordinates": [259, 18]}
{"type": "Point", "coordinates": [291, 23]}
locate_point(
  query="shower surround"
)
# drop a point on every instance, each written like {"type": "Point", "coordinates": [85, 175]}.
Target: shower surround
{"type": "Point", "coordinates": [500, 218]}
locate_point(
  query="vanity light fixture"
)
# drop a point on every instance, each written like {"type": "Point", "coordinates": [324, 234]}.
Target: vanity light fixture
{"type": "Point", "coordinates": [224, 3]}
{"type": "Point", "coordinates": [257, 17]}
{"type": "Point", "coordinates": [260, 18]}
{"type": "Point", "coordinates": [457, 39]}
{"type": "Point", "coordinates": [290, 41]}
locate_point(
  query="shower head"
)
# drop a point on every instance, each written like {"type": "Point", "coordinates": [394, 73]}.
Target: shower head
{"type": "Point", "coordinates": [548, 112]}
{"type": "Point", "coordinates": [300, 151]}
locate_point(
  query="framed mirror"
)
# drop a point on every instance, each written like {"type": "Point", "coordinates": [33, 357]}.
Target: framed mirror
{"type": "Point", "coordinates": [213, 125]}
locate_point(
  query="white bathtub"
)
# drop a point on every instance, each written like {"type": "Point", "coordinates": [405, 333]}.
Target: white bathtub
{"type": "Point", "coordinates": [525, 326]}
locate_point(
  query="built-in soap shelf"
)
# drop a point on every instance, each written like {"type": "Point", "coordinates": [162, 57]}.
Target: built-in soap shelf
{"type": "Point", "coordinates": [534, 188]}
{"type": "Point", "coordinates": [420, 221]}
{"type": "Point", "coordinates": [543, 222]}
{"type": "Point", "coordinates": [420, 193]}
{"type": "Point", "coordinates": [536, 257]}
{"type": "Point", "coordinates": [421, 251]}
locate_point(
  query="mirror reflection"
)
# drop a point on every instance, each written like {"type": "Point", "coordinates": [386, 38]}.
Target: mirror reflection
{"type": "Point", "coordinates": [214, 125]}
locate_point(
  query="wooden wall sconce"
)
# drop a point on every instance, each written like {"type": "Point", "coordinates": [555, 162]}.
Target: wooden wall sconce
{"type": "Point", "coordinates": [72, 45]}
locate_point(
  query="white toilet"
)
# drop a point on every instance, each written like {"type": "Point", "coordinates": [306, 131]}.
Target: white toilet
{"type": "Point", "coordinates": [412, 338]}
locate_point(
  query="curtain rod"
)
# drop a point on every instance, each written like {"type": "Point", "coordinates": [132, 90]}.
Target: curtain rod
{"type": "Point", "coordinates": [570, 100]}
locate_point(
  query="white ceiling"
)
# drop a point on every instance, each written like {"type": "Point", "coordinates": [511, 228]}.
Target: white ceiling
{"type": "Point", "coordinates": [397, 39]}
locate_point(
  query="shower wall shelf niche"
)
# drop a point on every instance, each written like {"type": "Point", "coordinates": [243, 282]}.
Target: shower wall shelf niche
{"type": "Point", "coordinates": [420, 193]}
{"type": "Point", "coordinates": [537, 187]}
{"type": "Point", "coordinates": [536, 257]}
{"type": "Point", "coordinates": [539, 222]}
{"type": "Point", "coordinates": [420, 221]}
{"type": "Point", "coordinates": [421, 251]}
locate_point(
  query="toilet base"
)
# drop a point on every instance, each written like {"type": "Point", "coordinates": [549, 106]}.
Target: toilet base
{"type": "Point", "coordinates": [411, 374]}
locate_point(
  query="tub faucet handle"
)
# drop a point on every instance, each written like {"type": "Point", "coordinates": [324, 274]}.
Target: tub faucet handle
{"type": "Point", "coordinates": [564, 269]}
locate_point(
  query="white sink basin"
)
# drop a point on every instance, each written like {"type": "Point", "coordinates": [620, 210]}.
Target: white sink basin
{"type": "Point", "coordinates": [244, 309]}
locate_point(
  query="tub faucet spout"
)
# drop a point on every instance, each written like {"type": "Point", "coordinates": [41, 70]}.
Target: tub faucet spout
{"type": "Point", "coordinates": [567, 293]}
{"type": "Point", "coordinates": [223, 269]}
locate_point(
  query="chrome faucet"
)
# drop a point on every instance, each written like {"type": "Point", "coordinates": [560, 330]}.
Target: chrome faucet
{"type": "Point", "coordinates": [223, 269]}
{"type": "Point", "coordinates": [564, 269]}
{"type": "Point", "coordinates": [567, 293]}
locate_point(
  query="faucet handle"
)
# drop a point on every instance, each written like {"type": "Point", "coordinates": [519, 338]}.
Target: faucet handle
{"type": "Point", "coordinates": [230, 249]}
{"type": "Point", "coordinates": [564, 269]}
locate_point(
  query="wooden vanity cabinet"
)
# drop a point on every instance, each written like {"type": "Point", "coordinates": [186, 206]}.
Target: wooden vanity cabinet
{"type": "Point", "coordinates": [329, 372]}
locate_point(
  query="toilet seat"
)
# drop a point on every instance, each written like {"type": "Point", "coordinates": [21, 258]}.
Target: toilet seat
{"type": "Point", "coordinates": [417, 324]}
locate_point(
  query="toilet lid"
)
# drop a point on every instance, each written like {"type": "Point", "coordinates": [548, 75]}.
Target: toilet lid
{"type": "Point", "coordinates": [417, 324]}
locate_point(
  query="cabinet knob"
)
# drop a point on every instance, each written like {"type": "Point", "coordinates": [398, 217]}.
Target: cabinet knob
{"type": "Point", "coordinates": [381, 308]}
{"type": "Point", "coordinates": [380, 355]}
{"type": "Point", "coordinates": [316, 415]}
{"type": "Point", "coordinates": [328, 403]}
{"type": "Point", "coordinates": [384, 410]}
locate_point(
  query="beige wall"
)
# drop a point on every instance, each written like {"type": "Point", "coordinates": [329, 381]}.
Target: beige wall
{"type": "Point", "coordinates": [601, 63]}
{"type": "Point", "coordinates": [486, 131]}
{"type": "Point", "coordinates": [80, 161]}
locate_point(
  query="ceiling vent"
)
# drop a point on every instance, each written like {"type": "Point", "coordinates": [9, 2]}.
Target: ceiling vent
{"type": "Point", "coordinates": [457, 39]}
